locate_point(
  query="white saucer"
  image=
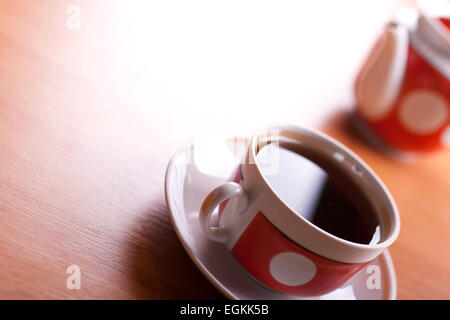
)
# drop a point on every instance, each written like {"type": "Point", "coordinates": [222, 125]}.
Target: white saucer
{"type": "Point", "coordinates": [197, 168]}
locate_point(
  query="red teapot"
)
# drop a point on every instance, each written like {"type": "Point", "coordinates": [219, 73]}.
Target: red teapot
{"type": "Point", "coordinates": [403, 89]}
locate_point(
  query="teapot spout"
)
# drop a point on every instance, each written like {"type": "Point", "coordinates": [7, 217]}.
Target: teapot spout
{"type": "Point", "coordinates": [380, 79]}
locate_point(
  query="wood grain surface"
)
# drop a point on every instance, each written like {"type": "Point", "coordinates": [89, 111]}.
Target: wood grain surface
{"type": "Point", "coordinates": [84, 146]}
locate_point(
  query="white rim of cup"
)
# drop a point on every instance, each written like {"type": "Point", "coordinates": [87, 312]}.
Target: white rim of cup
{"type": "Point", "coordinates": [385, 195]}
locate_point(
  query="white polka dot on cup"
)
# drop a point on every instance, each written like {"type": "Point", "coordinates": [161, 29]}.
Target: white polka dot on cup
{"type": "Point", "coordinates": [423, 112]}
{"type": "Point", "coordinates": [292, 269]}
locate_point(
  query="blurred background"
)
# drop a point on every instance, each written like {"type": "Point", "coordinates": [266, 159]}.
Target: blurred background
{"type": "Point", "coordinates": [239, 62]}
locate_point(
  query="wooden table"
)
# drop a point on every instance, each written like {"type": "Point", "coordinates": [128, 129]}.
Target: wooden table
{"type": "Point", "coordinates": [89, 118]}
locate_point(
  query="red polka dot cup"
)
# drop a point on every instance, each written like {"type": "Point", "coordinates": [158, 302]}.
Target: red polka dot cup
{"type": "Point", "coordinates": [403, 89]}
{"type": "Point", "coordinates": [274, 243]}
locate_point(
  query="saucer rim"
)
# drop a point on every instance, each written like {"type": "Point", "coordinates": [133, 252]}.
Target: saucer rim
{"type": "Point", "coordinates": [212, 279]}
{"type": "Point", "coordinates": [385, 256]}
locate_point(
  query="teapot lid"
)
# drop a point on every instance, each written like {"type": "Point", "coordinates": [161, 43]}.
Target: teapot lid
{"type": "Point", "coordinates": [430, 37]}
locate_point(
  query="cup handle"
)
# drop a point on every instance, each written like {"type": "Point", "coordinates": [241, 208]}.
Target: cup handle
{"type": "Point", "coordinates": [212, 200]}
